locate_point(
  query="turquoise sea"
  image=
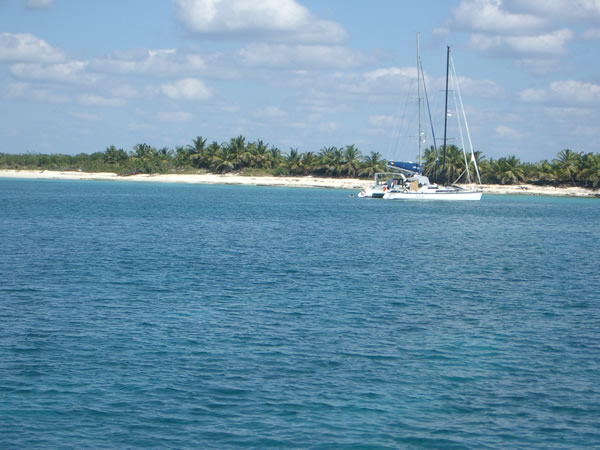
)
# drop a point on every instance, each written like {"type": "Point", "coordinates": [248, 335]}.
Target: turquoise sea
{"type": "Point", "coordinates": [178, 316]}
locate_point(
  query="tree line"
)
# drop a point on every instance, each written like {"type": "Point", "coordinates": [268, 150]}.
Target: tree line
{"type": "Point", "coordinates": [258, 158]}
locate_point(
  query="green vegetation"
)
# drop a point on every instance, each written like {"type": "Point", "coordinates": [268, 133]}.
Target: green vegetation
{"type": "Point", "coordinates": [568, 168]}
{"type": "Point", "coordinates": [257, 158]}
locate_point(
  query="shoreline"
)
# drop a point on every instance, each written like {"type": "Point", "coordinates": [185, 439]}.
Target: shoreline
{"type": "Point", "coordinates": [286, 181]}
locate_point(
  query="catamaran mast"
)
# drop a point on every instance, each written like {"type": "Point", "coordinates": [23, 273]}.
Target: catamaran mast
{"type": "Point", "coordinates": [420, 137]}
{"type": "Point", "coordinates": [446, 105]}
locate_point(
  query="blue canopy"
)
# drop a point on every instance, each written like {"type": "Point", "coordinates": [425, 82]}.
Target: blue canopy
{"type": "Point", "coordinates": [405, 166]}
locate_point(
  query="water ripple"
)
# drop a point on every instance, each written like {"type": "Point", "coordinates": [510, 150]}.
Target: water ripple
{"type": "Point", "coordinates": [219, 317]}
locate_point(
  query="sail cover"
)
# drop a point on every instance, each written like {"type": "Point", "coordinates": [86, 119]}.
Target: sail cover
{"type": "Point", "coordinates": [406, 166]}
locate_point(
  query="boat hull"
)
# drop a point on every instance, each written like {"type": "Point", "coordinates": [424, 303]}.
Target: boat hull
{"type": "Point", "coordinates": [440, 195]}
{"type": "Point", "coordinates": [371, 194]}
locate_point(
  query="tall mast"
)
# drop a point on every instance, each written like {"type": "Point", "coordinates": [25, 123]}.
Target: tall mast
{"type": "Point", "coordinates": [420, 137]}
{"type": "Point", "coordinates": [446, 105]}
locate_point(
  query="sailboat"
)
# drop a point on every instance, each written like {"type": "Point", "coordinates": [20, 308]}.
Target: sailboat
{"type": "Point", "coordinates": [417, 186]}
{"type": "Point", "coordinates": [398, 170]}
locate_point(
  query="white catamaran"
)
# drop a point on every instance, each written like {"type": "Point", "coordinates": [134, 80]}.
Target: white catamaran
{"type": "Point", "coordinates": [415, 185]}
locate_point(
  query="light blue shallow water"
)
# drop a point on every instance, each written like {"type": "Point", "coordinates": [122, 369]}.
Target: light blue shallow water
{"type": "Point", "coordinates": [141, 315]}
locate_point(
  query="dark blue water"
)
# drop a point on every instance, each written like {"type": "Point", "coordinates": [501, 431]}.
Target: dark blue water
{"type": "Point", "coordinates": [141, 315]}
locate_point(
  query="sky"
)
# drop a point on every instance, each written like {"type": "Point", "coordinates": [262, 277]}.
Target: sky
{"type": "Point", "coordinates": [79, 76]}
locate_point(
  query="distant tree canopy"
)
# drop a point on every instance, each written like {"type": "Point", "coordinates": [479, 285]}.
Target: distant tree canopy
{"type": "Point", "coordinates": [256, 158]}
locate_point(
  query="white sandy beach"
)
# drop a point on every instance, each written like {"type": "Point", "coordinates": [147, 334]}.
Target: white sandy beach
{"type": "Point", "coordinates": [333, 183]}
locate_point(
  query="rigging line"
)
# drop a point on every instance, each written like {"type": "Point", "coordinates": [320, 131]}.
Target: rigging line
{"type": "Point", "coordinates": [460, 130]}
{"type": "Point", "coordinates": [446, 107]}
{"type": "Point", "coordinates": [428, 110]}
{"type": "Point", "coordinates": [460, 176]}
{"type": "Point", "coordinates": [400, 130]}
{"type": "Point", "coordinates": [473, 159]}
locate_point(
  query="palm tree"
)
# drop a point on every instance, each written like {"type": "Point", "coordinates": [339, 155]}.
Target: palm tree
{"type": "Point", "coordinates": [181, 156]}
{"type": "Point", "coordinates": [372, 164]}
{"type": "Point", "coordinates": [164, 157]}
{"type": "Point", "coordinates": [531, 172]}
{"type": "Point", "coordinates": [568, 161]}
{"type": "Point", "coordinates": [142, 151]}
{"type": "Point", "coordinates": [211, 152]}
{"type": "Point", "coordinates": [454, 164]}
{"type": "Point", "coordinates": [196, 153]}
{"type": "Point", "coordinates": [237, 147]}
{"type": "Point", "coordinates": [509, 170]}
{"type": "Point", "coordinates": [351, 160]}
{"type": "Point", "coordinates": [262, 157]}
{"type": "Point", "coordinates": [293, 163]}
{"type": "Point", "coordinates": [485, 169]}
{"type": "Point", "coordinates": [431, 162]}
{"type": "Point", "coordinates": [331, 161]}
{"type": "Point", "coordinates": [276, 157]}
{"type": "Point", "coordinates": [224, 160]}
{"type": "Point", "coordinates": [481, 162]}
{"type": "Point", "coordinates": [548, 172]}
{"type": "Point", "coordinates": [309, 162]}
{"type": "Point", "coordinates": [113, 156]}
{"type": "Point", "coordinates": [247, 156]}
{"type": "Point", "coordinates": [144, 158]}
{"type": "Point", "coordinates": [591, 169]}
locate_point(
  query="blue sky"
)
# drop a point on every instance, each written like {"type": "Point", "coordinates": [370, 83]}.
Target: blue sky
{"type": "Point", "coordinates": [79, 76]}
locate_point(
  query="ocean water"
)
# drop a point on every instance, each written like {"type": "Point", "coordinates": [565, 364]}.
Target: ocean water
{"type": "Point", "coordinates": [177, 316]}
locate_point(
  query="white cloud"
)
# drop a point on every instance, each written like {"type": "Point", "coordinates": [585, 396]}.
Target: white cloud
{"type": "Point", "coordinates": [575, 91]}
{"type": "Point", "coordinates": [383, 121]}
{"type": "Point", "coordinates": [560, 112]}
{"type": "Point", "coordinates": [386, 81]}
{"type": "Point", "coordinates": [540, 65]}
{"type": "Point", "coordinates": [319, 103]}
{"type": "Point", "coordinates": [533, 95]}
{"type": "Point", "coordinates": [328, 126]}
{"type": "Point", "coordinates": [488, 16]}
{"type": "Point", "coordinates": [221, 107]}
{"type": "Point", "coordinates": [137, 62]}
{"type": "Point", "coordinates": [503, 131]}
{"type": "Point", "coordinates": [331, 93]}
{"type": "Point", "coordinates": [187, 89]}
{"type": "Point", "coordinates": [68, 72]}
{"type": "Point", "coordinates": [524, 30]}
{"type": "Point", "coordinates": [579, 11]}
{"type": "Point", "coordinates": [38, 4]}
{"type": "Point", "coordinates": [136, 126]}
{"type": "Point", "coordinates": [479, 88]}
{"type": "Point", "coordinates": [392, 73]}
{"type": "Point", "coordinates": [98, 100]}
{"type": "Point", "coordinates": [27, 47]}
{"type": "Point", "coordinates": [282, 55]}
{"type": "Point", "coordinates": [174, 116]}
{"type": "Point", "coordinates": [397, 80]}
{"type": "Point", "coordinates": [520, 17]}
{"type": "Point", "coordinates": [271, 112]}
{"type": "Point", "coordinates": [586, 131]}
{"type": "Point", "coordinates": [564, 92]}
{"type": "Point", "coordinates": [124, 90]}
{"type": "Point", "coordinates": [281, 20]}
{"type": "Point", "coordinates": [87, 116]}
{"type": "Point", "coordinates": [28, 92]}
{"type": "Point", "coordinates": [553, 43]}
{"type": "Point", "coordinates": [151, 62]}
{"type": "Point", "coordinates": [592, 34]}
